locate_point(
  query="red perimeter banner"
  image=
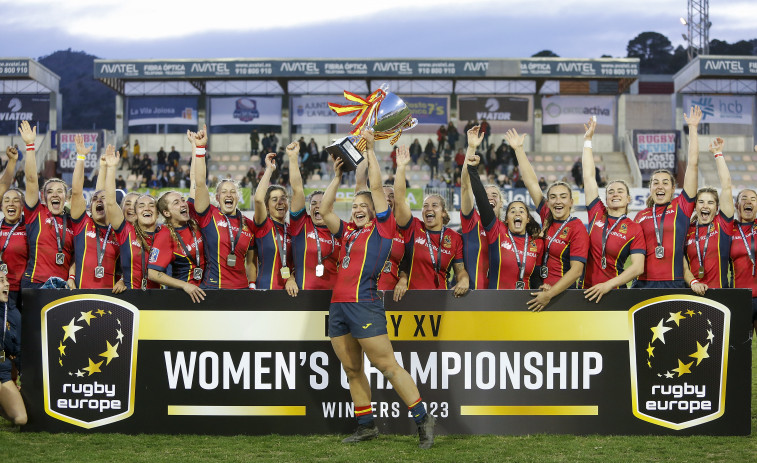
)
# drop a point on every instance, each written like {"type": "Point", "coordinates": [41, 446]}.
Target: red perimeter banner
{"type": "Point", "coordinates": [642, 362]}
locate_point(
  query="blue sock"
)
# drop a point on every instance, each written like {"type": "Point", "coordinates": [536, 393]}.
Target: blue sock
{"type": "Point", "coordinates": [418, 410]}
{"type": "Point", "coordinates": [364, 415]}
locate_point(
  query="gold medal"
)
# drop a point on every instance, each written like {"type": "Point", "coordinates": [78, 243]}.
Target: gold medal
{"type": "Point", "coordinates": [285, 273]}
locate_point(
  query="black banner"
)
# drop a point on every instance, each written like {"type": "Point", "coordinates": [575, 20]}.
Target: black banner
{"type": "Point", "coordinates": [493, 108]}
{"type": "Point", "coordinates": [642, 362]}
{"type": "Point", "coordinates": [24, 107]}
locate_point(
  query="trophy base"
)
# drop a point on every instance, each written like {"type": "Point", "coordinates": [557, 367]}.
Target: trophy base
{"type": "Point", "coordinates": [345, 149]}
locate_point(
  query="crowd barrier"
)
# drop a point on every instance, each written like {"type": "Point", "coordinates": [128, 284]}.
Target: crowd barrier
{"type": "Point", "coordinates": [242, 362]}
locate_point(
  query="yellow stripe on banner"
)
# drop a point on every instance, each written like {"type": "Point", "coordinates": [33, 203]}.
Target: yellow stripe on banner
{"type": "Point", "coordinates": [180, 325]}
{"type": "Point", "coordinates": [236, 410]}
{"type": "Point", "coordinates": [502, 410]}
{"type": "Point", "coordinates": [177, 325]}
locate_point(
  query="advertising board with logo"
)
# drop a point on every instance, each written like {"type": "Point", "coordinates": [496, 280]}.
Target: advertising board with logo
{"type": "Point", "coordinates": [178, 110]}
{"type": "Point", "coordinates": [67, 150]}
{"type": "Point", "coordinates": [642, 362]}
{"type": "Point", "coordinates": [17, 108]}
{"type": "Point", "coordinates": [558, 110]}
{"type": "Point", "coordinates": [245, 110]}
{"type": "Point", "coordinates": [493, 108]}
{"type": "Point", "coordinates": [722, 109]}
{"type": "Point", "coordinates": [656, 149]}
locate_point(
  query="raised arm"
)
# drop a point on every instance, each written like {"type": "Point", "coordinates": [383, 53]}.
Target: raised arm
{"type": "Point", "coordinates": [726, 187]}
{"type": "Point", "coordinates": [374, 174]}
{"type": "Point", "coordinates": [78, 204]}
{"type": "Point", "coordinates": [475, 137]}
{"type": "Point", "coordinates": [260, 207]}
{"type": "Point", "coordinates": [295, 177]}
{"type": "Point", "coordinates": [113, 212]}
{"type": "Point", "coordinates": [10, 170]}
{"type": "Point", "coordinates": [690, 179]}
{"type": "Point", "coordinates": [478, 191]}
{"type": "Point", "coordinates": [199, 143]}
{"type": "Point", "coordinates": [524, 165]}
{"type": "Point", "coordinates": [29, 135]}
{"type": "Point", "coordinates": [329, 196]}
{"type": "Point", "coordinates": [591, 192]}
{"type": "Point", "coordinates": [100, 184]}
{"type": "Point", "coordinates": [401, 208]}
{"type": "Point", "coordinates": [361, 177]}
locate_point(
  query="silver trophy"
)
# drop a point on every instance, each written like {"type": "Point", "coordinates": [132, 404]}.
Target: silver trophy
{"type": "Point", "coordinates": [383, 112]}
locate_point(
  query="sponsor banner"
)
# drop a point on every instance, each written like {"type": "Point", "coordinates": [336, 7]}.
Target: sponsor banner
{"type": "Point", "coordinates": [14, 67]}
{"type": "Point", "coordinates": [241, 68]}
{"type": "Point", "coordinates": [67, 151]}
{"type": "Point", "coordinates": [346, 195]}
{"type": "Point", "coordinates": [656, 149]}
{"type": "Point", "coordinates": [728, 66]}
{"type": "Point", "coordinates": [644, 362]}
{"type": "Point", "coordinates": [313, 110]}
{"type": "Point", "coordinates": [244, 204]}
{"type": "Point", "coordinates": [430, 110]}
{"type": "Point", "coordinates": [558, 110]}
{"type": "Point", "coordinates": [23, 107]}
{"type": "Point", "coordinates": [722, 109]}
{"type": "Point", "coordinates": [245, 110]}
{"type": "Point", "coordinates": [558, 67]}
{"type": "Point", "coordinates": [493, 108]}
{"type": "Point", "coordinates": [180, 110]}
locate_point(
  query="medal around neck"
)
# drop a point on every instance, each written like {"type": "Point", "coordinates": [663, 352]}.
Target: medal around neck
{"type": "Point", "coordinates": [383, 111]}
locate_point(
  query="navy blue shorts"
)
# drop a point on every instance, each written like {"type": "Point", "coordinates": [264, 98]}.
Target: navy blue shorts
{"type": "Point", "coordinates": [5, 370]}
{"type": "Point", "coordinates": [670, 284]}
{"type": "Point", "coordinates": [361, 319]}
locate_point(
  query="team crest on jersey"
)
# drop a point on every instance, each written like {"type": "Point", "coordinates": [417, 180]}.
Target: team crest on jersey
{"type": "Point", "coordinates": [623, 228]}
{"type": "Point", "coordinates": [532, 246]}
{"type": "Point", "coordinates": [564, 233]}
{"type": "Point", "coordinates": [447, 242]}
{"type": "Point", "coordinates": [91, 234]}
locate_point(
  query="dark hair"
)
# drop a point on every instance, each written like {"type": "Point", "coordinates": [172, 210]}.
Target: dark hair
{"type": "Point", "coordinates": [20, 193]}
{"type": "Point", "coordinates": [532, 226]}
{"type": "Point", "coordinates": [650, 199]}
{"type": "Point", "coordinates": [549, 219]}
{"type": "Point", "coordinates": [270, 190]}
{"type": "Point", "coordinates": [369, 195]}
{"type": "Point", "coordinates": [706, 189]}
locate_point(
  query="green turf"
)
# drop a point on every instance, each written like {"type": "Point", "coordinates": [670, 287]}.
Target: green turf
{"type": "Point", "coordinates": [22, 447]}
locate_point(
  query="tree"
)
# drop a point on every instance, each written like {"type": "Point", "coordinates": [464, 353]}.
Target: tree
{"type": "Point", "coordinates": [740, 48]}
{"type": "Point", "coordinates": [654, 51]}
{"type": "Point", "coordinates": [545, 54]}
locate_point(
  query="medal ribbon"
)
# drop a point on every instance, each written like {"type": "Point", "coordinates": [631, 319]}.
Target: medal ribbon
{"type": "Point", "coordinates": [521, 265]}
{"type": "Point", "coordinates": [8, 238]}
{"type": "Point", "coordinates": [749, 249]}
{"type": "Point", "coordinates": [234, 240]}
{"type": "Point", "coordinates": [702, 253]}
{"type": "Point", "coordinates": [437, 263]}
{"type": "Point", "coordinates": [658, 227]}
{"type": "Point", "coordinates": [279, 241]}
{"type": "Point", "coordinates": [101, 248]}
{"type": "Point", "coordinates": [58, 239]}
{"type": "Point", "coordinates": [606, 232]}
{"type": "Point", "coordinates": [318, 245]}
{"type": "Point", "coordinates": [348, 247]}
{"type": "Point", "coordinates": [186, 250]}
{"type": "Point", "coordinates": [549, 243]}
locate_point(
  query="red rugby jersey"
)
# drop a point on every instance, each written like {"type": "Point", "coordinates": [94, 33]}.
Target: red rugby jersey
{"type": "Point", "coordinates": [214, 226]}
{"type": "Point", "coordinates": [744, 271]}
{"type": "Point", "coordinates": [166, 250]}
{"type": "Point", "coordinates": [16, 253]}
{"type": "Point", "coordinates": [305, 251]}
{"type": "Point", "coordinates": [131, 256]}
{"type": "Point", "coordinates": [572, 243]}
{"type": "Point", "coordinates": [43, 247]}
{"type": "Point", "coordinates": [475, 250]}
{"type": "Point", "coordinates": [718, 251]}
{"type": "Point", "coordinates": [677, 218]}
{"type": "Point", "coordinates": [269, 254]}
{"type": "Point", "coordinates": [422, 272]}
{"type": "Point", "coordinates": [86, 236]}
{"type": "Point", "coordinates": [390, 273]}
{"type": "Point", "coordinates": [503, 263]}
{"type": "Point", "coordinates": [626, 238]}
{"type": "Point", "coordinates": [369, 249]}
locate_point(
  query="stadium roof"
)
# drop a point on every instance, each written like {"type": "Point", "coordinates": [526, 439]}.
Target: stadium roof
{"type": "Point", "coordinates": [718, 74]}
{"type": "Point", "coordinates": [278, 76]}
{"type": "Point", "coordinates": [24, 75]}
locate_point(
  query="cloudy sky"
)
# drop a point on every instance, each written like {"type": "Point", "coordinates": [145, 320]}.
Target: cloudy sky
{"type": "Point", "coordinates": [144, 29]}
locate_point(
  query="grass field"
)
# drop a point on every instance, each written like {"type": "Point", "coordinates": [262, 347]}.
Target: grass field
{"type": "Point", "coordinates": [21, 447]}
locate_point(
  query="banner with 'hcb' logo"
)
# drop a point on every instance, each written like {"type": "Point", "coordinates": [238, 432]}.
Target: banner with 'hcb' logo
{"type": "Point", "coordinates": [89, 356]}
{"type": "Point", "coordinates": [679, 353]}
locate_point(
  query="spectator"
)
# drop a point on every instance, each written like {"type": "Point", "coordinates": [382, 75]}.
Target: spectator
{"type": "Point", "coordinates": [432, 158]}
{"type": "Point", "coordinates": [415, 151]}
{"type": "Point", "coordinates": [254, 142]}
{"type": "Point", "coordinates": [543, 183]}
{"type": "Point", "coordinates": [137, 149]}
{"type": "Point", "coordinates": [162, 159]}
{"type": "Point", "coordinates": [452, 136]}
{"type": "Point", "coordinates": [577, 172]}
{"type": "Point", "coordinates": [486, 129]}
{"type": "Point", "coordinates": [460, 158]}
{"type": "Point", "coordinates": [123, 153]}
{"type": "Point", "coordinates": [441, 137]}
{"type": "Point", "coordinates": [174, 157]}
{"type": "Point", "coordinates": [393, 155]}
{"type": "Point", "coordinates": [120, 183]}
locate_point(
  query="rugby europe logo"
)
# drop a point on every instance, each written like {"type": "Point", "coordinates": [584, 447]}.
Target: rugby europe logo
{"type": "Point", "coordinates": [89, 359]}
{"type": "Point", "coordinates": [678, 358]}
